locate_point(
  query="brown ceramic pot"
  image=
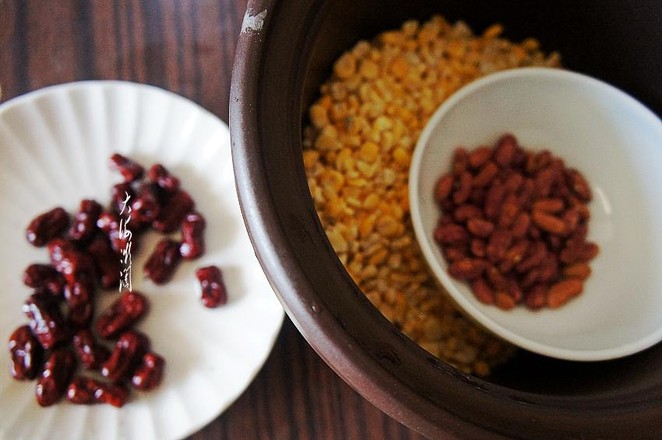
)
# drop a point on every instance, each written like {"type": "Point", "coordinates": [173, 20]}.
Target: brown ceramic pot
{"type": "Point", "coordinates": [285, 51]}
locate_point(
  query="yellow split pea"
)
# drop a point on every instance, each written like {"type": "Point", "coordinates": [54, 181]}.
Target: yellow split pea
{"type": "Point", "coordinates": [357, 152]}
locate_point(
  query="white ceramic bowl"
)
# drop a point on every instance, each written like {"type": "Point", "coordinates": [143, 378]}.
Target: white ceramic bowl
{"type": "Point", "coordinates": [616, 142]}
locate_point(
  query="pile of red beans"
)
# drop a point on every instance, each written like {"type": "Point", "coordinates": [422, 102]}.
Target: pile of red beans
{"type": "Point", "coordinates": [514, 225]}
{"type": "Point", "coordinates": [63, 346]}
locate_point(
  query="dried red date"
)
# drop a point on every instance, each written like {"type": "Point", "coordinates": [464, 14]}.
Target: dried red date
{"type": "Point", "coordinates": [80, 297]}
{"type": "Point", "coordinates": [162, 177]}
{"type": "Point", "coordinates": [47, 226]}
{"type": "Point", "coordinates": [145, 206]}
{"type": "Point", "coordinates": [26, 354]}
{"type": "Point", "coordinates": [90, 353]}
{"type": "Point", "coordinates": [122, 314]}
{"type": "Point", "coordinates": [69, 261]}
{"type": "Point", "coordinates": [149, 374]}
{"type": "Point", "coordinates": [161, 265]}
{"type": "Point", "coordinates": [46, 321]}
{"type": "Point", "coordinates": [84, 225]}
{"type": "Point", "coordinates": [173, 211]}
{"type": "Point", "coordinates": [130, 170]}
{"type": "Point", "coordinates": [58, 369]}
{"type": "Point", "coordinates": [214, 292]}
{"type": "Point", "coordinates": [87, 391]}
{"type": "Point", "coordinates": [107, 263]}
{"type": "Point", "coordinates": [193, 244]}
{"type": "Point", "coordinates": [44, 276]}
{"type": "Point", "coordinates": [126, 356]}
{"type": "Point", "coordinates": [117, 230]}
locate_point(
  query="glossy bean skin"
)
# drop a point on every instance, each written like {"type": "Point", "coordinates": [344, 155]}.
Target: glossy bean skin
{"type": "Point", "coordinates": [26, 354]}
{"type": "Point", "coordinates": [55, 377]}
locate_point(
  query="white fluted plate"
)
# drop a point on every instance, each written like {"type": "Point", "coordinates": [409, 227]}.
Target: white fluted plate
{"type": "Point", "coordinates": [54, 148]}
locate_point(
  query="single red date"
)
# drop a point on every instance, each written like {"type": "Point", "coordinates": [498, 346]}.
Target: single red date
{"type": "Point", "coordinates": [161, 265]}
{"type": "Point", "coordinates": [47, 226]}
{"type": "Point", "coordinates": [130, 170]}
{"type": "Point", "coordinates": [44, 276]}
{"type": "Point", "coordinates": [173, 211]}
{"type": "Point", "coordinates": [122, 314]}
{"type": "Point", "coordinates": [85, 221]}
{"type": "Point", "coordinates": [88, 391]}
{"type": "Point", "coordinates": [54, 379]}
{"type": "Point", "coordinates": [149, 373]}
{"type": "Point", "coordinates": [162, 177]}
{"type": "Point", "coordinates": [69, 261]}
{"type": "Point", "coordinates": [126, 356]}
{"type": "Point", "coordinates": [214, 293]}
{"type": "Point", "coordinates": [107, 263]}
{"type": "Point", "coordinates": [26, 354]}
{"type": "Point", "coordinates": [90, 353]}
{"type": "Point", "coordinates": [46, 321]}
{"type": "Point", "coordinates": [193, 243]}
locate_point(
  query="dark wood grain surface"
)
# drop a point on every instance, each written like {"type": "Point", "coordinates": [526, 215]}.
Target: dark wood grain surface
{"type": "Point", "coordinates": [186, 46]}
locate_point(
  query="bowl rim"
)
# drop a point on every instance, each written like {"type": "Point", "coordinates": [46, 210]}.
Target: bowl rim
{"type": "Point", "coordinates": [564, 78]}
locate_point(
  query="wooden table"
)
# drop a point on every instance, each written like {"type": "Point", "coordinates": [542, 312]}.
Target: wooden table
{"type": "Point", "coordinates": [186, 46]}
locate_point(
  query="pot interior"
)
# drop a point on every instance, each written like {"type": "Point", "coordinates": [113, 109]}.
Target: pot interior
{"type": "Point", "coordinates": [617, 41]}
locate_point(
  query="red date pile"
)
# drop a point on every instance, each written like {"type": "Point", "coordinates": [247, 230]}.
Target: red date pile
{"type": "Point", "coordinates": [514, 225]}
{"type": "Point", "coordinates": [63, 347]}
